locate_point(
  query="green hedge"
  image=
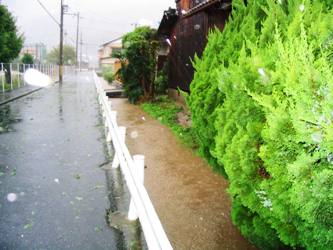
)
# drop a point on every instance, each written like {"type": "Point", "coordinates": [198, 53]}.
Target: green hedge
{"type": "Point", "coordinates": [262, 109]}
{"type": "Point", "coordinates": [108, 75]}
{"type": "Point", "coordinates": [139, 63]}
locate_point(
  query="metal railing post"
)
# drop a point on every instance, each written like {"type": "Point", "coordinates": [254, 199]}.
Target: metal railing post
{"type": "Point", "coordinates": [2, 78]}
{"type": "Point", "coordinates": [18, 76]}
{"type": "Point", "coordinates": [139, 161]}
{"type": "Point", "coordinates": [11, 76]}
{"type": "Point", "coordinates": [24, 83]}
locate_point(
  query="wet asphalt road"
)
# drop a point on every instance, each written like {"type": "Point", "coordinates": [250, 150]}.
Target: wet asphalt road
{"type": "Point", "coordinates": [53, 193]}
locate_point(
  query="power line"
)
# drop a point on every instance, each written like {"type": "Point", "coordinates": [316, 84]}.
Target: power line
{"type": "Point", "coordinates": [48, 12]}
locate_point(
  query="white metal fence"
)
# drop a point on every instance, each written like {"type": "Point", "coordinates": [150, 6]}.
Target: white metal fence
{"type": "Point", "coordinates": [141, 206]}
{"type": "Point", "coordinates": [11, 74]}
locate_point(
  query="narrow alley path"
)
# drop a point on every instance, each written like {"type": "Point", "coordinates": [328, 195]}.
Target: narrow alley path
{"type": "Point", "coordinates": [191, 201]}
{"type": "Point", "coordinates": [53, 193]}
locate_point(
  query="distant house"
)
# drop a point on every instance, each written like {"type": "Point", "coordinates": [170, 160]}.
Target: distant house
{"type": "Point", "coordinates": [184, 31]}
{"type": "Point", "coordinates": [105, 54]}
{"type": "Point", "coordinates": [38, 51]}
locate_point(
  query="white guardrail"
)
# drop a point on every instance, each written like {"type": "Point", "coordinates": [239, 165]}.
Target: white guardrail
{"type": "Point", "coordinates": [133, 170]}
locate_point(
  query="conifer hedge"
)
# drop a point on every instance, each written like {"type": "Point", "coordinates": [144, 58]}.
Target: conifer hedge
{"type": "Point", "coordinates": [262, 109]}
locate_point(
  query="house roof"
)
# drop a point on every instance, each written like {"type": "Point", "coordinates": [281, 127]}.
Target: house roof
{"type": "Point", "coordinates": [112, 41]}
{"type": "Point", "coordinates": [205, 4]}
{"type": "Point", "coordinates": [171, 16]}
{"type": "Point", "coordinates": [169, 19]}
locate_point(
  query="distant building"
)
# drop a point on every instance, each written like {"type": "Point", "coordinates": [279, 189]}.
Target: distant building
{"type": "Point", "coordinates": [38, 51]}
{"type": "Point", "coordinates": [105, 54]}
{"type": "Point", "coordinates": [184, 31]}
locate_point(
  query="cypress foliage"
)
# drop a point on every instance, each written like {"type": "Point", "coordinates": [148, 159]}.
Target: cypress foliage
{"type": "Point", "coordinates": [262, 108]}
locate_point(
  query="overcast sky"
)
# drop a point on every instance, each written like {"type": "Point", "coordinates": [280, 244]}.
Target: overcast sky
{"type": "Point", "coordinates": [102, 20]}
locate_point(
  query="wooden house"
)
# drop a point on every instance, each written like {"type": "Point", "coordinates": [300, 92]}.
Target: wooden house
{"type": "Point", "coordinates": [184, 31]}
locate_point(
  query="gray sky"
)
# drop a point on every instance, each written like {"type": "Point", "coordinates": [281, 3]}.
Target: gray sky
{"type": "Point", "coordinates": [102, 20]}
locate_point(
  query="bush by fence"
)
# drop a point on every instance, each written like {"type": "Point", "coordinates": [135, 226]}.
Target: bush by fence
{"type": "Point", "coordinates": [262, 103]}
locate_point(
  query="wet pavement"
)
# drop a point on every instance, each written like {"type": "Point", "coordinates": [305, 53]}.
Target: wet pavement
{"type": "Point", "coordinates": [54, 194]}
{"type": "Point", "coordinates": [191, 201]}
{"type": "Point", "coordinates": [15, 92]}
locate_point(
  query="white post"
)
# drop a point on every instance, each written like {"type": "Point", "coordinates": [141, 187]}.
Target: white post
{"type": "Point", "coordinates": [122, 131]}
{"type": "Point", "coordinates": [11, 76]}
{"type": "Point", "coordinates": [2, 78]}
{"type": "Point", "coordinates": [139, 162]}
{"type": "Point", "coordinates": [18, 76]}
{"type": "Point", "coordinates": [113, 118]}
{"type": "Point", "coordinates": [23, 74]}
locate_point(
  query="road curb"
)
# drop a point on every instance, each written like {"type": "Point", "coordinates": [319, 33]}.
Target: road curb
{"type": "Point", "coordinates": [22, 95]}
{"type": "Point", "coordinates": [19, 96]}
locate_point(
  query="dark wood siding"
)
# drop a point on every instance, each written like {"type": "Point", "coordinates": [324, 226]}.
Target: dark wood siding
{"type": "Point", "coordinates": [189, 37]}
{"type": "Point", "coordinates": [218, 18]}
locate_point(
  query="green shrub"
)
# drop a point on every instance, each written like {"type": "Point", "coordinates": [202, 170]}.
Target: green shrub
{"type": "Point", "coordinates": [161, 81]}
{"type": "Point", "coordinates": [108, 75]}
{"type": "Point", "coordinates": [139, 63]}
{"type": "Point", "coordinates": [165, 111]}
{"type": "Point", "coordinates": [27, 59]}
{"type": "Point", "coordinates": [261, 103]}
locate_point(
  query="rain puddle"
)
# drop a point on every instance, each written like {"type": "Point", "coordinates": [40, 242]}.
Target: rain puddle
{"type": "Point", "coordinates": [7, 119]}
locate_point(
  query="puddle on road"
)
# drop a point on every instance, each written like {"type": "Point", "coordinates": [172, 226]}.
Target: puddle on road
{"type": "Point", "coordinates": [7, 119]}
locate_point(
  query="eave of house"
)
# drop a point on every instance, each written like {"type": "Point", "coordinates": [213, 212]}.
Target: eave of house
{"type": "Point", "coordinates": [204, 5]}
{"type": "Point", "coordinates": [170, 17]}
{"type": "Point", "coordinates": [110, 42]}
{"type": "Point", "coordinates": [168, 21]}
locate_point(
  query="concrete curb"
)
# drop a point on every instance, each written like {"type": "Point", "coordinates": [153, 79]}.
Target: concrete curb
{"type": "Point", "coordinates": [22, 95]}
{"type": "Point", "coordinates": [19, 96]}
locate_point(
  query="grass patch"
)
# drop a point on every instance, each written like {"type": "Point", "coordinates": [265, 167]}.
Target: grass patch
{"type": "Point", "coordinates": [165, 111]}
{"type": "Point", "coordinates": [15, 82]}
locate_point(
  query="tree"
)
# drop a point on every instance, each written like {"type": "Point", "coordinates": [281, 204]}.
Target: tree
{"type": "Point", "coordinates": [69, 55]}
{"type": "Point", "coordinates": [10, 41]}
{"type": "Point", "coordinates": [27, 59]}
{"type": "Point", "coordinates": [139, 63]}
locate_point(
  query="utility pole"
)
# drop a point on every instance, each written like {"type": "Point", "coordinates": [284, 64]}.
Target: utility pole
{"type": "Point", "coordinates": [81, 43]}
{"type": "Point", "coordinates": [61, 42]}
{"type": "Point", "coordinates": [77, 40]}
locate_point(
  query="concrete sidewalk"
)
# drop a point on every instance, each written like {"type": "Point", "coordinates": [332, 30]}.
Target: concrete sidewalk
{"type": "Point", "coordinates": [16, 93]}
{"type": "Point", "coordinates": [53, 192]}
{"type": "Point", "coordinates": [191, 200]}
